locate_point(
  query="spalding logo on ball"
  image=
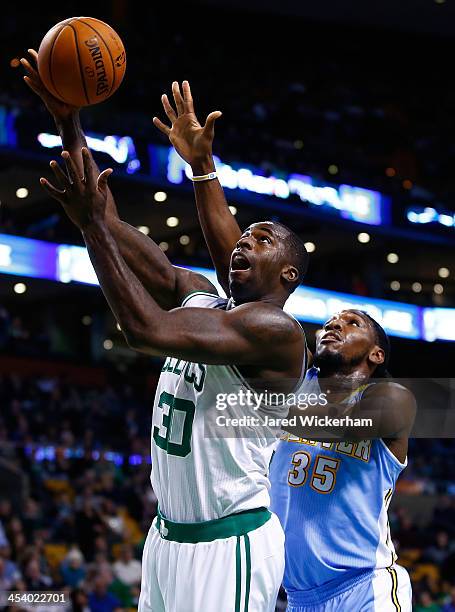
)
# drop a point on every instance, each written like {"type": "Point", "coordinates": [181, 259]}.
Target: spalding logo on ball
{"type": "Point", "coordinates": [82, 61]}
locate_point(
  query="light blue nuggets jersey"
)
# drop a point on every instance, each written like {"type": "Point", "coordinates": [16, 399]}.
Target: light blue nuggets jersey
{"type": "Point", "coordinates": [332, 501]}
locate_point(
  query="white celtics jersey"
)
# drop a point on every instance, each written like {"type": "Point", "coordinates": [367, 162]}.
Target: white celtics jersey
{"type": "Point", "coordinates": [197, 473]}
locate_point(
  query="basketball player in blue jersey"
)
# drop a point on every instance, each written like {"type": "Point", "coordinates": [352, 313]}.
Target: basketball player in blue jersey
{"type": "Point", "coordinates": [332, 498]}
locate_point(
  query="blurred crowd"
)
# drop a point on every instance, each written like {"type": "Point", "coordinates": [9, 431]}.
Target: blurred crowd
{"type": "Point", "coordinates": [81, 502]}
{"type": "Point", "coordinates": [77, 516]}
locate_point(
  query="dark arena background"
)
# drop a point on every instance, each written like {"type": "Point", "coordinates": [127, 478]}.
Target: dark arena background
{"type": "Point", "coordinates": [338, 120]}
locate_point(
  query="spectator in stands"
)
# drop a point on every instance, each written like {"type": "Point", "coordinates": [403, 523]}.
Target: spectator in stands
{"type": "Point", "coordinates": [72, 568]}
{"type": "Point", "coordinates": [79, 601]}
{"type": "Point", "coordinates": [426, 603]}
{"type": "Point", "coordinates": [6, 511]}
{"type": "Point", "coordinates": [34, 579]}
{"type": "Point", "coordinates": [450, 606]}
{"type": "Point", "coordinates": [6, 581]}
{"type": "Point", "coordinates": [408, 533]}
{"type": "Point", "coordinates": [10, 572]}
{"type": "Point", "coordinates": [444, 515]}
{"type": "Point", "coordinates": [3, 540]}
{"type": "Point", "coordinates": [100, 600]}
{"type": "Point", "coordinates": [116, 588]}
{"type": "Point", "coordinates": [112, 519]}
{"type": "Point", "coordinates": [88, 525]}
{"type": "Point", "coordinates": [127, 568]}
{"type": "Point", "coordinates": [438, 552]}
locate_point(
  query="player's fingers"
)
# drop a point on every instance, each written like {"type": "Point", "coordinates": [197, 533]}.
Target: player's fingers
{"type": "Point", "coordinates": [161, 126]}
{"type": "Point", "coordinates": [57, 194]}
{"type": "Point", "coordinates": [71, 168]}
{"type": "Point", "coordinates": [209, 127]}
{"type": "Point", "coordinates": [33, 85]}
{"type": "Point", "coordinates": [101, 182]}
{"type": "Point", "coordinates": [60, 176]}
{"type": "Point", "coordinates": [170, 112]}
{"type": "Point", "coordinates": [34, 55]}
{"type": "Point", "coordinates": [89, 171]}
{"type": "Point", "coordinates": [187, 97]}
{"type": "Point", "coordinates": [28, 68]}
{"type": "Point", "coordinates": [178, 98]}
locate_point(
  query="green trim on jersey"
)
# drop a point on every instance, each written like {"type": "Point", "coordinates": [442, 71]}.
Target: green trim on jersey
{"type": "Point", "coordinates": [233, 525]}
{"type": "Point", "coordinates": [238, 575]}
{"type": "Point", "coordinates": [193, 293]}
{"type": "Point", "coordinates": [248, 571]}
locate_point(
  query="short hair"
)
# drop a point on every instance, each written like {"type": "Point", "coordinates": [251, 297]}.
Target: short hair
{"type": "Point", "coordinates": [382, 340]}
{"type": "Point", "coordinates": [298, 252]}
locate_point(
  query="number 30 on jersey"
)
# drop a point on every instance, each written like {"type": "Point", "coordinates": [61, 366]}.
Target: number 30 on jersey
{"type": "Point", "coordinates": [174, 432]}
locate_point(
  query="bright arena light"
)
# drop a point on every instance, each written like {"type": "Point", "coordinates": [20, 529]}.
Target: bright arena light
{"type": "Point", "coordinates": [333, 169]}
{"type": "Point", "coordinates": [392, 258]}
{"type": "Point", "coordinates": [108, 344]}
{"type": "Point", "coordinates": [363, 237]}
{"type": "Point", "coordinates": [444, 272]}
{"type": "Point", "coordinates": [172, 221]}
{"type": "Point", "coordinates": [438, 289]}
{"type": "Point", "coordinates": [86, 320]}
{"type": "Point", "coordinates": [20, 288]}
{"type": "Point", "coordinates": [163, 246]}
{"type": "Point", "coordinates": [310, 247]}
{"type": "Point", "coordinates": [233, 210]}
{"type": "Point", "coordinates": [144, 229]}
{"type": "Point", "coordinates": [22, 193]}
{"type": "Point", "coordinates": [395, 285]}
{"type": "Point", "coordinates": [160, 196]}
{"type": "Point", "coordinates": [416, 287]}
{"type": "Point", "coordinates": [184, 240]}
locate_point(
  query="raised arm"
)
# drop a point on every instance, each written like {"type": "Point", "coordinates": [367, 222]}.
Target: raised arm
{"type": "Point", "coordinates": [194, 144]}
{"type": "Point", "coordinates": [168, 284]}
{"type": "Point", "coordinates": [249, 334]}
{"type": "Point", "coordinates": [390, 407]}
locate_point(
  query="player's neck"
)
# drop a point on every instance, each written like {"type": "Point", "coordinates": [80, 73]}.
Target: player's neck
{"type": "Point", "coordinates": [341, 380]}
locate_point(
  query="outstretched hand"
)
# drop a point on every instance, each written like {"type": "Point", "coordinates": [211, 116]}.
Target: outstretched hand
{"type": "Point", "coordinates": [83, 198]}
{"type": "Point", "coordinates": [192, 141]}
{"type": "Point", "coordinates": [57, 108]}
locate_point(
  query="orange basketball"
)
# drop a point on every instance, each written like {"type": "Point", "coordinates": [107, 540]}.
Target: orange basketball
{"type": "Point", "coordinates": [82, 61]}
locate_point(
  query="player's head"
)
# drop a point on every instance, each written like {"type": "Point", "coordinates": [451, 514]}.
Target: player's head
{"type": "Point", "coordinates": [269, 260]}
{"type": "Point", "coordinates": [352, 340]}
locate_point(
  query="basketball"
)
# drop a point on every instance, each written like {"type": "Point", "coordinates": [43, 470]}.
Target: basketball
{"type": "Point", "coordinates": [82, 61]}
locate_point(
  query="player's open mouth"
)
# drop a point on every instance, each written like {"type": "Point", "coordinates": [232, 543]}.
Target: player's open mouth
{"type": "Point", "coordinates": [331, 337]}
{"type": "Point", "coordinates": [239, 262]}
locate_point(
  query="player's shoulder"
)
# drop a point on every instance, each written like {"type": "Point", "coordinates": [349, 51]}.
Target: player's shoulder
{"type": "Point", "coordinates": [388, 387]}
{"type": "Point", "coordinates": [396, 394]}
{"type": "Point", "coordinates": [263, 317]}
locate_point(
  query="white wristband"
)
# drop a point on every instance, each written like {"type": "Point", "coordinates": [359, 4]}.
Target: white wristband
{"type": "Point", "coordinates": [205, 177]}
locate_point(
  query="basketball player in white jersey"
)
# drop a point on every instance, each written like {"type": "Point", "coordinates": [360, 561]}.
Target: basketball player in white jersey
{"type": "Point", "coordinates": [332, 498]}
{"type": "Point", "coordinates": [215, 545]}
